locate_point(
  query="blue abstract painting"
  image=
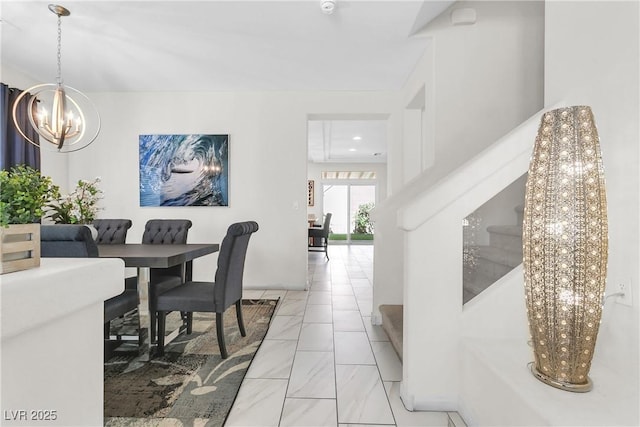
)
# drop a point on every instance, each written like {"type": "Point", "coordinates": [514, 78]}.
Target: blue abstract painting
{"type": "Point", "coordinates": [184, 170]}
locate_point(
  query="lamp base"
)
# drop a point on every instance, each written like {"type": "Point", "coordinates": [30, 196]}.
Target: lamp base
{"type": "Point", "coordinates": [576, 388]}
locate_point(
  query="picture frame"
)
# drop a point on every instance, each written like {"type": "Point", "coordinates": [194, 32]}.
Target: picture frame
{"type": "Point", "coordinates": [184, 170]}
{"type": "Point", "coordinates": [310, 192]}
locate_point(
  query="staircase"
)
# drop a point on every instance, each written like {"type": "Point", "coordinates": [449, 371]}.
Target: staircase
{"type": "Point", "coordinates": [493, 261]}
{"type": "Point", "coordinates": [392, 315]}
{"type": "Point", "coordinates": [421, 226]}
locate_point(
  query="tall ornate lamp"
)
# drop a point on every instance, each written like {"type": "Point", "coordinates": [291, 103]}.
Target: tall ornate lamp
{"type": "Point", "coordinates": [565, 247]}
{"type": "Point", "coordinates": [61, 115]}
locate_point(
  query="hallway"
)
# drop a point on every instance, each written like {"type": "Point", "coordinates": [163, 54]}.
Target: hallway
{"type": "Point", "coordinates": [322, 363]}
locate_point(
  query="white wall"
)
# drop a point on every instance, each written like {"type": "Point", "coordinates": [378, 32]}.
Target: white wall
{"type": "Point", "coordinates": [268, 167]}
{"type": "Point", "coordinates": [601, 69]}
{"type": "Point", "coordinates": [480, 81]}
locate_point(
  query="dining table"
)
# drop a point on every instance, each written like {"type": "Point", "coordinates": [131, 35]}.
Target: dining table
{"type": "Point", "coordinates": [144, 257]}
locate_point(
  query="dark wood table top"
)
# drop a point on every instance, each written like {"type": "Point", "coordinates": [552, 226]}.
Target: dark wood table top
{"type": "Point", "coordinates": [156, 256]}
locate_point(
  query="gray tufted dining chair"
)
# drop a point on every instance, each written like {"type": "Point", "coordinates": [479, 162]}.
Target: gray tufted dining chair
{"type": "Point", "coordinates": [321, 234]}
{"type": "Point", "coordinates": [212, 297]}
{"type": "Point", "coordinates": [75, 241]}
{"type": "Point", "coordinates": [164, 232]}
{"type": "Point", "coordinates": [113, 231]}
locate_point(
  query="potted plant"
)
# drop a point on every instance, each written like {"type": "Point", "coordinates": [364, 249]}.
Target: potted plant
{"type": "Point", "coordinates": [78, 207]}
{"type": "Point", "coordinates": [24, 193]}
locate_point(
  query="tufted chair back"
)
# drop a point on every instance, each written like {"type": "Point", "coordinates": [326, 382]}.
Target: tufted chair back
{"type": "Point", "coordinates": [166, 231]}
{"type": "Point", "coordinates": [112, 231]}
{"type": "Point", "coordinates": [233, 252]}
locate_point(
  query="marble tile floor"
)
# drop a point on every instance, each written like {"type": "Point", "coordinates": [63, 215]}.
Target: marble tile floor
{"type": "Point", "coordinates": [322, 362]}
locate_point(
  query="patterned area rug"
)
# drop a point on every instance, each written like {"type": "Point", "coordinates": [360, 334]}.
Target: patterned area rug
{"type": "Point", "coordinates": [191, 385]}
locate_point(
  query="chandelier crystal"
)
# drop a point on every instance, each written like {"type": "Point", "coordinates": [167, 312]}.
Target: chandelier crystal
{"type": "Point", "coordinates": [61, 115]}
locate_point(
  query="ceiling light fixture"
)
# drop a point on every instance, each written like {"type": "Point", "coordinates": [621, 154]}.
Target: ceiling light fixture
{"type": "Point", "coordinates": [327, 6]}
{"type": "Point", "coordinates": [352, 149]}
{"type": "Point", "coordinates": [58, 113]}
{"type": "Point", "coordinates": [357, 138]}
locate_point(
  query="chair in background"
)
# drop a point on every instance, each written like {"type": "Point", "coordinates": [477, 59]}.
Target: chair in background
{"type": "Point", "coordinates": [319, 237]}
{"type": "Point", "coordinates": [112, 231]}
{"type": "Point", "coordinates": [75, 241]}
{"type": "Point", "coordinates": [212, 297]}
{"type": "Point", "coordinates": [165, 232]}
{"type": "Point", "coordinates": [67, 241]}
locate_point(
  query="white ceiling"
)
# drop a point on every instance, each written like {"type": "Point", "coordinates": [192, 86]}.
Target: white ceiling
{"type": "Point", "coordinates": [220, 45]}
{"type": "Point", "coordinates": [353, 141]}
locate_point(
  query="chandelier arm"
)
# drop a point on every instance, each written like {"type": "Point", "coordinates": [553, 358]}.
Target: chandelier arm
{"type": "Point", "coordinates": [61, 139]}
{"type": "Point", "coordinates": [14, 114]}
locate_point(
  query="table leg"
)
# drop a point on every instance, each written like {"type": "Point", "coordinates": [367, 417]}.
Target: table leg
{"type": "Point", "coordinates": [144, 318]}
{"type": "Point", "coordinates": [188, 271]}
{"type": "Point", "coordinates": [187, 276]}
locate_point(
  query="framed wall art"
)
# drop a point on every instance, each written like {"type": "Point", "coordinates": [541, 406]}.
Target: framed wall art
{"type": "Point", "coordinates": [184, 170]}
{"type": "Point", "coordinates": [310, 191]}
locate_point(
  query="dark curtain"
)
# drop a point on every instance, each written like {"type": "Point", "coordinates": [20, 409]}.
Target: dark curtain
{"type": "Point", "coordinates": [14, 149]}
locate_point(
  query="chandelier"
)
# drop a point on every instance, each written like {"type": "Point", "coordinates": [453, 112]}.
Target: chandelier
{"type": "Point", "coordinates": [61, 115]}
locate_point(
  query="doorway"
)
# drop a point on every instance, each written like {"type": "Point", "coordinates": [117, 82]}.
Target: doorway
{"type": "Point", "coordinates": [350, 205]}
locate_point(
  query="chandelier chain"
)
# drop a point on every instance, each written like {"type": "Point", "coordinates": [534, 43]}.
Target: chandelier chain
{"type": "Point", "coordinates": [59, 79]}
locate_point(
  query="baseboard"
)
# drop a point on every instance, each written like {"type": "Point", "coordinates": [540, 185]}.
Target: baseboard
{"type": "Point", "coordinates": [376, 318]}
{"type": "Point", "coordinates": [407, 399]}
{"type": "Point", "coordinates": [427, 403]}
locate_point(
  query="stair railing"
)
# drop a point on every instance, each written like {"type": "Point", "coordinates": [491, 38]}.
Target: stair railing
{"type": "Point", "coordinates": [504, 161]}
{"type": "Point", "coordinates": [432, 283]}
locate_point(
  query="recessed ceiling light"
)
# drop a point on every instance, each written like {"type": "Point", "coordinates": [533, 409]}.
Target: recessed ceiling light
{"type": "Point", "coordinates": [352, 149]}
{"type": "Point", "coordinates": [357, 138]}
{"type": "Point", "coordinates": [327, 6]}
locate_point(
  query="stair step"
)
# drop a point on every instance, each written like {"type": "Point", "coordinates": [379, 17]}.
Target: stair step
{"type": "Point", "coordinates": [476, 282]}
{"type": "Point", "coordinates": [507, 237]}
{"type": "Point", "coordinates": [500, 256]}
{"type": "Point", "coordinates": [519, 213]}
{"type": "Point", "coordinates": [491, 264]}
{"type": "Point", "coordinates": [507, 230]}
{"type": "Point", "coordinates": [392, 318]}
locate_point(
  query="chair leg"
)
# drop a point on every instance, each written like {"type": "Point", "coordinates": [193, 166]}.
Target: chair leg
{"type": "Point", "coordinates": [154, 322]}
{"type": "Point", "coordinates": [161, 325]}
{"type": "Point", "coordinates": [220, 332]}
{"type": "Point", "coordinates": [326, 248]}
{"type": "Point", "coordinates": [243, 332]}
{"type": "Point", "coordinates": [189, 321]}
